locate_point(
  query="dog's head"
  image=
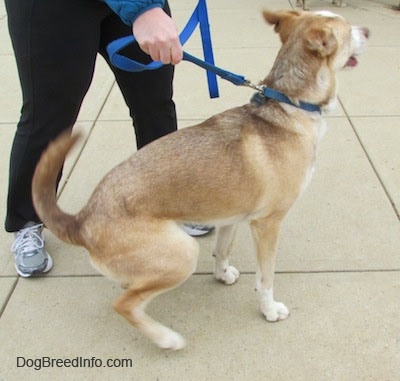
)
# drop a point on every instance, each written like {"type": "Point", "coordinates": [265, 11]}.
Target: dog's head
{"type": "Point", "coordinates": [323, 34]}
{"type": "Point", "coordinates": [315, 45]}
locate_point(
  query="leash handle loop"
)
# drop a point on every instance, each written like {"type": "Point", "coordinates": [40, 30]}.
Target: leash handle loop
{"type": "Point", "coordinates": [199, 16]}
{"type": "Point", "coordinates": [124, 63]}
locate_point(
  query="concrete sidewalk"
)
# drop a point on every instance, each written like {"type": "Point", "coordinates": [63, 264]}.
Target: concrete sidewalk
{"type": "Point", "coordinates": [338, 266]}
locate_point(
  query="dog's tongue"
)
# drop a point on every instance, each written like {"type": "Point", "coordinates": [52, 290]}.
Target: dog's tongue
{"type": "Point", "coordinates": [352, 62]}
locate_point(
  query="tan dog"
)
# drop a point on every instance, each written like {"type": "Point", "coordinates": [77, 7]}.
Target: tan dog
{"type": "Point", "coordinates": [249, 163]}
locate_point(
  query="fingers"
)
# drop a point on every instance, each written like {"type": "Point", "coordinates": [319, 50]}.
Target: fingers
{"type": "Point", "coordinates": [157, 36]}
{"type": "Point", "coordinates": [167, 52]}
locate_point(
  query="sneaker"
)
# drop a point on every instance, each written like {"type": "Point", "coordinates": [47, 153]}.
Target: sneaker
{"type": "Point", "coordinates": [197, 230]}
{"type": "Point", "coordinates": [30, 256]}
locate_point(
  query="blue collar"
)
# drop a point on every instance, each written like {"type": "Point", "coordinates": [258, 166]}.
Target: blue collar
{"type": "Point", "coordinates": [267, 93]}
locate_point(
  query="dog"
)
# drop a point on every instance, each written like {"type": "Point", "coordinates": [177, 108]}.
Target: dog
{"type": "Point", "coordinates": [304, 4]}
{"type": "Point", "coordinates": [249, 163]}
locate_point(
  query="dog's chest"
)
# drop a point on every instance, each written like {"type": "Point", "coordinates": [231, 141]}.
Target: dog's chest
{"type": "Point", "coordinates": [307, 178]}
{"type": "Point", "coordinates": [320, 130]}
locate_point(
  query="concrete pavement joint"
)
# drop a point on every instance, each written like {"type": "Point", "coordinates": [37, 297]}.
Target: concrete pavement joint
{"type": "Point", "coordinates": [392, 203]}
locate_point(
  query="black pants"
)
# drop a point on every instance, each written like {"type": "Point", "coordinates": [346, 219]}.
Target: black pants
{"type": "Point", "coordinates": [56, 43]}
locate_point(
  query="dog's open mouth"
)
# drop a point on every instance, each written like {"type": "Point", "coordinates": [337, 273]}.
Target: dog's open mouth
{"type": "Point", "coordinates": [352, 62]}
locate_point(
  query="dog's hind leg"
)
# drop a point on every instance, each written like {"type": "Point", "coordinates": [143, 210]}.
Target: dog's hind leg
{"type": "Point", "coordinates": [131, 305]}
{"type": "Point", "coordinates": [223, 271]}
{"type": "Point", "coordinates": [265, 232]}
{"type": "Point", "coordinates": [159, 271]}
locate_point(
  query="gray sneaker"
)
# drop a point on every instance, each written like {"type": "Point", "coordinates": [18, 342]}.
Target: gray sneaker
{"type": "Point", "coordinates": [30, 256]}
{"type": "Point", "coordinates": [197, 230]}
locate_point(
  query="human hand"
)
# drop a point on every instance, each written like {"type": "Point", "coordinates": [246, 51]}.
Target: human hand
{"type": "Point", "coordinates": [158, 37]}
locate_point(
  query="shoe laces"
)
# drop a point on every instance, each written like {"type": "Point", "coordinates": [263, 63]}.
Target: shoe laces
{"type": "Point", "coordinates": [28, 240]}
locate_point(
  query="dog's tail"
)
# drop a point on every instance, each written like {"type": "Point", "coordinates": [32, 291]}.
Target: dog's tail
{"type": "Point", "coordinates": [65, 226]}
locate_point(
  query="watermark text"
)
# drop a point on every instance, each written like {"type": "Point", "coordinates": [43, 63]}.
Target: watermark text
{"type": "Point", "coordinates": [46, 362]}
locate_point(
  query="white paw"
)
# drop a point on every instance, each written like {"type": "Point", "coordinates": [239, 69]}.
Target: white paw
{"type": "Point", "coordinates": [278, 311]}
{"type": "Point", "coordinates": [171, 340]}
{"type": "Point", "coordinates": [228, 276]}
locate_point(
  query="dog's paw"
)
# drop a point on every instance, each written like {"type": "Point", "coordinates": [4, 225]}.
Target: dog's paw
{"type": "Point", "coordinates": [228, 276]}
{"type": "Point", "coordinates": [171, 340]}
{"type": "Point", "coordinates": [278, 311]}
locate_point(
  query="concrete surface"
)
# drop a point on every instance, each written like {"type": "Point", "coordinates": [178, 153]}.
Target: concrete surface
{"type": "Point", "coordinates": [339, 253]}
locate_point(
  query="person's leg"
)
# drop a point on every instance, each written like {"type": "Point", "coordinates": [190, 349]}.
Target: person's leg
{"type": "Point", "coordinates": [148, 94]}
{"type": "Point", "coordinates": [55, 44]}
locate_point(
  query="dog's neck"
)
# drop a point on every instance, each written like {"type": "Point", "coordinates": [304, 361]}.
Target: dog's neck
{"type": "Point", "coordinates": [303, 77]}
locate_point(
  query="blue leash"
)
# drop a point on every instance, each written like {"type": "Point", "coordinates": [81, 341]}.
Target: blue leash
{"type": "Point", "coordinates": [200, 16]}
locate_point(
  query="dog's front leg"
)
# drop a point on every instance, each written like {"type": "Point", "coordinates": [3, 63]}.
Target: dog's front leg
{"type": "Point", "coordinates": [265, 233]}
{"type": "Point", "coordinates": [223, 251]}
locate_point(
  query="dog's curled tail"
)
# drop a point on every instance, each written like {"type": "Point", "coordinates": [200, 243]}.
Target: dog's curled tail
{"type": "Point", "coordinates": [65, 226]}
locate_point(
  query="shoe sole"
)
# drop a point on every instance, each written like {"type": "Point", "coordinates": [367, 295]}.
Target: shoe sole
{"type": "Point", "coordinates": [28, 275]}
{"type": "Point", "coordinates": [196, 232]}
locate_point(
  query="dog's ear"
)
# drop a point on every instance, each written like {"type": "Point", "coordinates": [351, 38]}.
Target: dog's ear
{"type": "Point", "coordinates": [321, 42]}
{"type": "Point", "coordinates": [282, 21]}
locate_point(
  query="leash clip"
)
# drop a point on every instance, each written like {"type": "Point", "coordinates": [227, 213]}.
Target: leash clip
{"type": "Point", "coordinates": [259, 88]}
